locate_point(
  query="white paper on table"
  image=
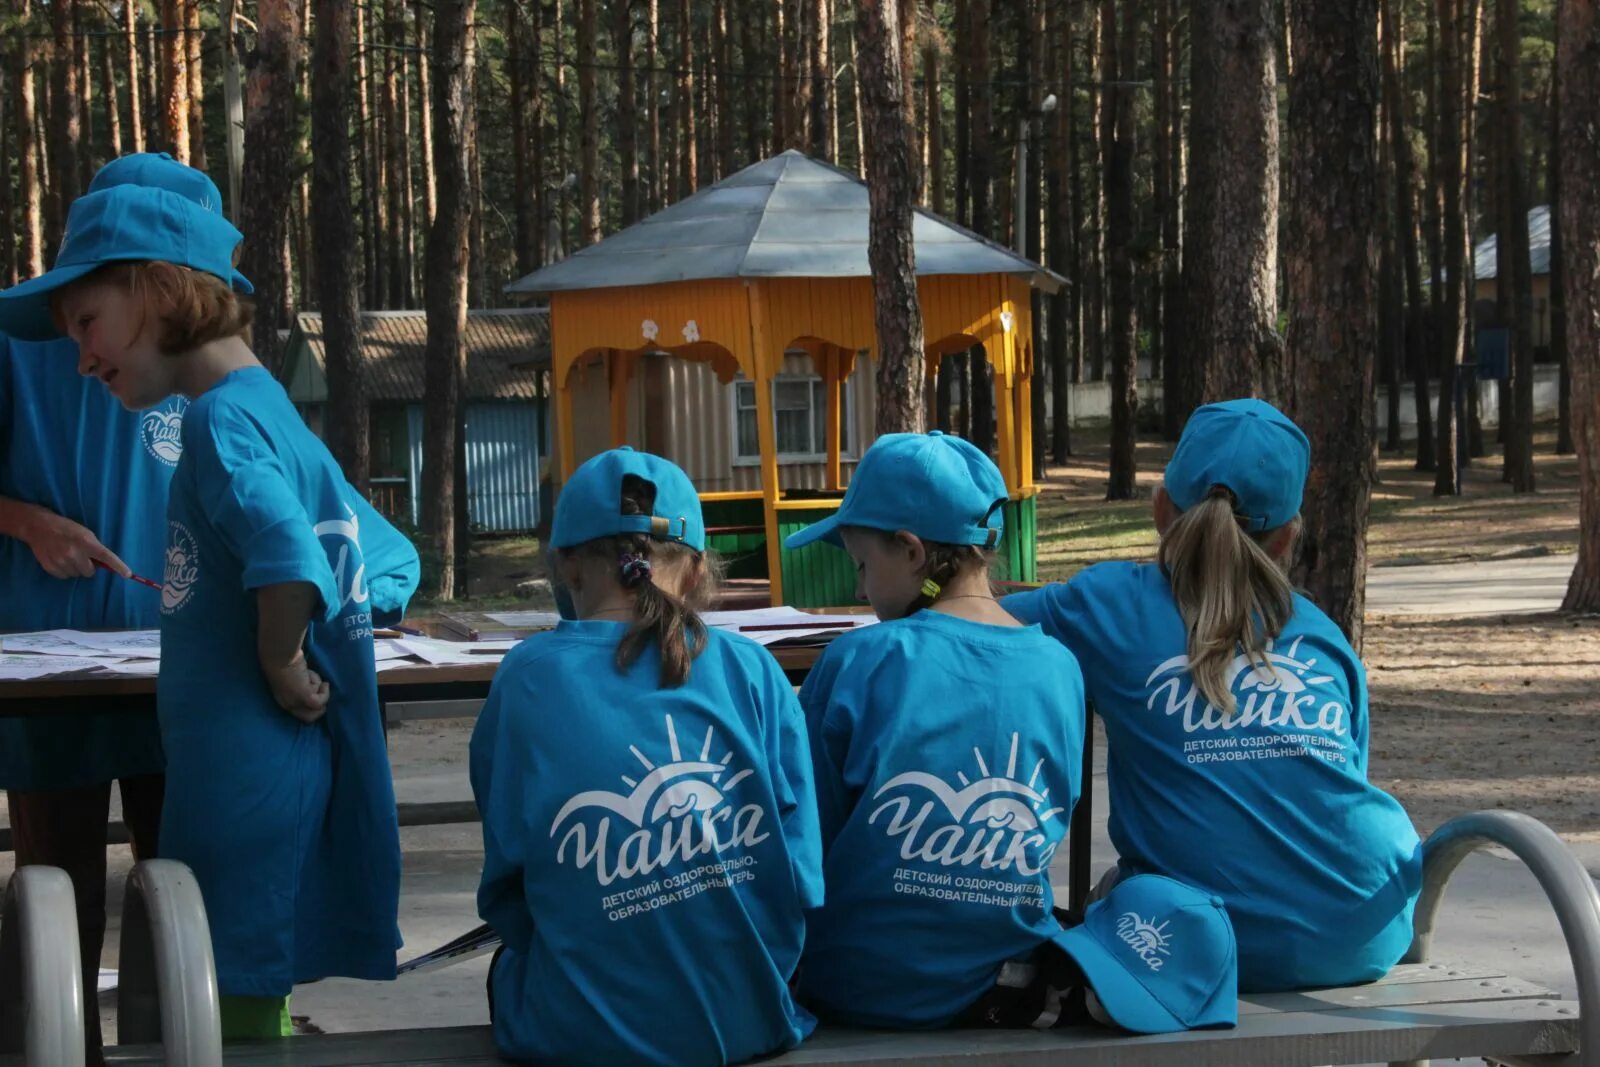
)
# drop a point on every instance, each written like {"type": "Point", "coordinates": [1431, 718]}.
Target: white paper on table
{"type": "Point", "coordinates": [387, 648]}
{"type": "Point", "coordinates": [141, 644]}
{"type": "Point", "coordinates": [47, 643]}
{"type": "Point", "coordinates": [431, 651]}
{"type": "Point", "coordinates": [23, 667]}
{"type": "Point", "coordinates": [138, 668]}
{"type": "Point", "coordinates": [526, 620]}
{"type": "Point", "coordinates": [794, 623]}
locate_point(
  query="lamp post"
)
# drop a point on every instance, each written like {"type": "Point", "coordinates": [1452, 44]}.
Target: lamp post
{"type": "Point", "coordinates": [1020, 219]}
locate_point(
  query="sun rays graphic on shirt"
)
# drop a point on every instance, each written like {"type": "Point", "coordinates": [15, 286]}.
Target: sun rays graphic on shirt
{"type": "Point", "coordinates": [999, 801]}
{"type": "Point", "coordinates": [672, 789]}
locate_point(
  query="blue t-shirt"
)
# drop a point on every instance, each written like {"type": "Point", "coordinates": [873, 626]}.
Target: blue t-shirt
{"type": "Point", "coordinates": [290, 828]}
{"type": "Point", "coordinates": [1268, 806]}
{"type": "Point", "coordinates": [648, 852]}
{"type": "Point", "coordinates": [948, 757]}
{"type": "Point", "coordinates": [68, 445]}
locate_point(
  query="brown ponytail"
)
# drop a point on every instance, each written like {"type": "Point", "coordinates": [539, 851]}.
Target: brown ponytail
{"type": "Point", "coordinates": [1230, 593]}
{"type": "Point", "coordinates": [672, 623]}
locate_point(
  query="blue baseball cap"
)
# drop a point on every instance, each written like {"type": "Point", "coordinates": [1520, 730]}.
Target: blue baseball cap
{"type": "Point", "coordinates": [143, 207]}
{"type": "Point", "coordinates": [1250, 447]}
{"type": "Point", "coordinates": [939, 487]}
{"type": "Point", "coordinates": [590, 504]}
{"type": "Point", "coordinates": [1159, 955]}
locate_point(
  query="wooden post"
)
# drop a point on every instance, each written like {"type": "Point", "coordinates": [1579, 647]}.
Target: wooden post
{"type": "Point", "coordinates": [564, 429]}
{"type": "Point", "coordinates": [619, 372]}
{"type": "Point", "coordinates": [1024, 415]}
{"type": "Point", "coordinates": [766, 434]}
{"type": "Point", "coordinates": [1003, 355]}
{"type": "Point", "coordinates": [831, 385]}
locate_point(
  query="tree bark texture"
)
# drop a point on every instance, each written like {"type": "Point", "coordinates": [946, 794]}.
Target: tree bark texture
{"type": "Point", "coordinates": [589, 128]}
{"type": "Point", "coordinates": [688, 168]}
{"type": "Point", "coordinates": [1331, 267]}
{"type": "Point", "coordinates": [30, 195]}
{"type": "Point", "coordinates": [267, 181]}
{"type": "Point", "coordinates": [333, 235]}
{"type": "Point", "coordinates": [1578, 59]}
{"type": "Point", "coordinates": [195, 96]}
{"type": "Point", "coordinates": [65, 117]}
{"type": "Point", "coordinates": [130, 26]}
{"type": "Point", "coordinates": [446, 280]}
{"type": "Point", "coordinates": [1513, 248]}
{"type": "Point", "coordinates": [1231, 248]}
{"type": "Point", "coordinates": [108, 93]}
{"type": "Point", "coordinates": [627, 109]}
{"type": "Point", "coordinates": [1119, 241]}
{"type": "Point", "coordinates": [980, 158]}
{"type": "Point", "coordinates": [1559, 350]}
{"type": "Point", "coordinates": [891, 184]}
{"type": "Point", "coordinates": [1456, 293]}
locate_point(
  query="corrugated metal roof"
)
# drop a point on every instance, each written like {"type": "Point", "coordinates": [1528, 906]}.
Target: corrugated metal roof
{"type": "Point", "coordinates": [790, 216]}
{"type": "Point", "coordinates": [501, 345]}
{"type": "Point", "coordinates": [1486, 258]}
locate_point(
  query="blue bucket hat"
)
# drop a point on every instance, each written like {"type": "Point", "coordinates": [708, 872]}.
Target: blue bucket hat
{"type": "Point", "coordinates": [139, 208]}
{"type": "Point", "coordinates": [1250, 447]}
{"type": "Point", "coordinates": [1159, 955]}
{"type": "Point", "coordinates": [590, 504]}
{"type": "Point", "coordinates": [939, 487]}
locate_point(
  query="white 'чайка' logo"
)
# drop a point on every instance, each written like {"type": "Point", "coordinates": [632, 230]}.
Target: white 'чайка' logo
{"type": "Point", "coordinates": [349, 567]}
{"type": "Point", "coordinates": [1148, 941]}
{"type": "Point", "coordinates": [1286, 691]}
{"type": "Point", "coordinates": [677, 811]}
{"type": "Point", "coordinates": [161, 430]}
{"type": "Point", "coordinates": [994, 822]}
{"type": "Point", "coordinates": [183, 567]}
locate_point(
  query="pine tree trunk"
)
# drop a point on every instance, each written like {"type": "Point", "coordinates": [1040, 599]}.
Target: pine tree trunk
{"type": "Point", "coordinates": [65, 125]}
{"type": "Point", "coordinates": [446, 296]}
{"type": "Point", "coordinates": [30, 200]}
{"type": "Point", "coordinates": [393, 156]}
{"type": "Point", "coordinates": [1578, 60]}
{"type": "Point", "coordinates": [405, 179]}
{"type": "Point", "coordinates": [1062, 235]}
{"type": "Point", "coordinates": [538, 193]}
{"type": "Point", "coordinates": [430, 186]}
{"type": "Point", "coordinates": [589, 127]}
{"type": "Point", "coordinates": [1514, 237]}
{"type": "Point", "coordinates": [823, 133]}
{"type": "Point", "coordinates": [108, 93]}
{"type": "Point", "coordinates": [752, 74]}
{"type": "Point", "coordinates": [270, 131]}
{"type": "Point", "coordinates": [521, 194]}
{"type": "Point", "coordinates": [194, 98]}
{"type": "Point", "coordinates": [652, 103]}
{"type": "Point", "coordinates": [88, 157]}
{"type": "Point", "coordinates": [963, 203]}
{"type": "Point", "coordinates": [627, 109]}
{"type": "Point", "coordinates": [897, 313]}
{"type": "Point", "coordinates": [1404, 231]}
{"type": "Point", "coordinates": [130, 26]}
{"type": "Point", "coordinates": [1231, 249]}
{"type": "Point", "coordinates": [1120, 68]}
{"type": "Point", "coordinates": [154, 87]}
{"type": "Point", "coordinates": [980, 157]}
{"type": "Point", "coordinates": [800, 130]}
{"type": "Point", "coordinates": [688, 169]}
{"type": "Point", "coordinates": [1452, 328]}
{"type": "Point", "coordinates": [1472, 51]}
{"type": "Point", "coordinates": [1559, 350]}
{"type": "Point", "coordinates": [371, 288]}
{"type": "Point", "coordinates": [784, 79]}
{"type": "Point", "coordinates": [722, 90]}
{"type": "Point", "coordinates": [855, 96]}
{"type": "Point", "coordinates": [1331, 263]}
{"type": "Point", "coordinates": [1094, 268]}
{"type": "Point", "coordinates": [8, 228]}
{"type": "Point", "coordinates": [333, 235]}
{"type": "Point", "coordinates": [1177, 349]}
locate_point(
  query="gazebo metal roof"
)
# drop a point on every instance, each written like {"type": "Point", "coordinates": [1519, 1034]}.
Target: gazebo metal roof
{"type": "Point", "coordinates": [790, 216]}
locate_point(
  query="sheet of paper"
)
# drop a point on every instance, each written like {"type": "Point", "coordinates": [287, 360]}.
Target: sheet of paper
{"type": "Point", "coordinates": [387, 648]}
{"type": "Point", "coordinates": [431, 651]}
{"type": "Point", "coordinates": [752, 617]}
{"type": "Point", "coordinates": [48, 643]}
{"type": "Point", "coordinates": [138, 668]}
{"type": "Point", "coordinates": [143, 644]}
{"type": "Point", "coordinates": [526, 620]}
{"type": "Point", "coordinates": [15, 667]}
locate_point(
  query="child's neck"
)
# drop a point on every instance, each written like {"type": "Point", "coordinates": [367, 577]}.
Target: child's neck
{"type": "Point", "coordinates": [213, 361]}
{"type": "Point", "coordinates": [968, 596]}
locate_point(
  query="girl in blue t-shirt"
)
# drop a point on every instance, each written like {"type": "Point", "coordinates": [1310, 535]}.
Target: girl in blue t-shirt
{"type": "Point", "coordinates": [1236, 715]}
{"type": "Point", "coordinates": [278, 794]}
{"type": "Point", "coordinates": [947, 742]}
{"type": "Point", "coordinates": [649, 823]}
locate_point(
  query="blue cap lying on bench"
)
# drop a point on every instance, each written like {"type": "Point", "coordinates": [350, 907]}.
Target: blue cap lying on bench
{"type": "Point", "coordinates": [1159, 956]}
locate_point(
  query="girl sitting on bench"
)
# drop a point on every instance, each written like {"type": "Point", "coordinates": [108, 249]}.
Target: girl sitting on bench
{"type": "Point", "coordinates": [1236, 716]}
{"type": "Point", "coordinates": [947, 744]}
{"type": "Point", "coordinates": [649, 823]}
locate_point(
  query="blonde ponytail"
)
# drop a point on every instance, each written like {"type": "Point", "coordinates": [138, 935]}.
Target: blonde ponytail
{"type": "Point", "coordinates": [1230, 593]}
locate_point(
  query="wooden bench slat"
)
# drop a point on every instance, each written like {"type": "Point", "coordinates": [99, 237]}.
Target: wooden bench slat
{"type": "Point", "coordinates": [1396, 995]}
{"type": "Point", "coordinates": [1330, 1034]}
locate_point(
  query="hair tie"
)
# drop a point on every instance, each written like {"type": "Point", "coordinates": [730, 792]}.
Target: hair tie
{"type": "Point", "coordinates": [635, 570]}
{"type": "Point", "coordinates": [931, 589]}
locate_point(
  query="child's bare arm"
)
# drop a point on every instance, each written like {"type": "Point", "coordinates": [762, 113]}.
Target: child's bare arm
{"type": "Point", "coordinates": [283, 613]}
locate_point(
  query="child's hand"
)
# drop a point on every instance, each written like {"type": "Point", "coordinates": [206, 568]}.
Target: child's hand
{"type": "Point", "coordinates": [298, 689]}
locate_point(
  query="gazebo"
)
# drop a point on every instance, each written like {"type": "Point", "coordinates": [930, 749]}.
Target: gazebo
{"type": "Point", "coordinates": [746, 273]}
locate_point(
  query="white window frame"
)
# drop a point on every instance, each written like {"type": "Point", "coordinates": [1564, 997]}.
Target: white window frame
{"type": "Point", "coordinates": [846, 432]}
